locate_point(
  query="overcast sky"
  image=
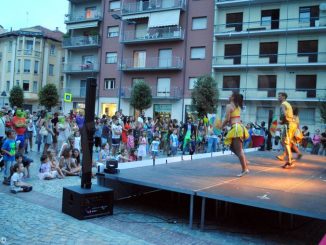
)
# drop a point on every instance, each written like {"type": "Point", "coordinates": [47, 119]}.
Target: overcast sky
{"type": "Point", "coordinates": [18, 14]}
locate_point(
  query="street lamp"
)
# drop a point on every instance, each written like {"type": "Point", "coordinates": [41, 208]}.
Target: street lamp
{"type": "Point", "coordinates": [3, 95]}
{"type": "Point", "coordinates": [129, 22]}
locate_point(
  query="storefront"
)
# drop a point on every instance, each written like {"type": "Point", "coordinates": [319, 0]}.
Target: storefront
{"type": "Point", "coordinates": [162, 110]}
{"type": "Point", "coordinates": [78, 106]}
{"type": "Point", "coordinates": [108, 109]}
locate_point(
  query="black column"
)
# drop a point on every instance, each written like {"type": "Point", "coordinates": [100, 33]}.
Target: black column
{"type": "Point", "coordinates": [87, 133]}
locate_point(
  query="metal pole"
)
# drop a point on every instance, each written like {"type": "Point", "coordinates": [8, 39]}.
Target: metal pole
{"type": "Point", "coordinates": [121, 60]}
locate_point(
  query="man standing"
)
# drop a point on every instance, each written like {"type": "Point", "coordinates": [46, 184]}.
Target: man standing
{"type": "Point", "coordinates": [80, 120]}
{"type": "Point", "coordinates": [289, 127]}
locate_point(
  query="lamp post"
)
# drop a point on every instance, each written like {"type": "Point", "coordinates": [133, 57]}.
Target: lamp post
{"type": "Point", "coordinates": [129, 22]}
{"type": "Point", "coordinates": [3, 95]}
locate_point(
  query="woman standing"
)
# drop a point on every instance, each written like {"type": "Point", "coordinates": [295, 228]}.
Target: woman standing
{"type": "Point", "coordinates": [238, 133]}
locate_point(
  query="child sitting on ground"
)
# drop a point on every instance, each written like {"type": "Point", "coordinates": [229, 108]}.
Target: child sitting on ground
{"type": "Point", "coordinates": [45, 170]}
{"type": "Point", "coordinates": [67, 163]}
{"type": "Point", "coordinates": [133, 155]}
{"type": "Point", "coordinates": [123, 157]}
{"type": "Point", "coordinates": [104, 153]}
{"type": "Point", "coordinates": [16, 183]}
{"type": "Point", "coordinates": [54, 163]}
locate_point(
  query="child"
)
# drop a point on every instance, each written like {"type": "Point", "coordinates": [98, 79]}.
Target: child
{"type": "Point", "coordinates": [45, 170]}
{"type": "Point", "coordinates": [133, 155]}
{"type": "Point", "coordinates": [130, 140]}
{"type": "Point", "coordinates": [192, 145]}
{"type": "Point", "coordinates": [54, 163]}
{"type": "Point", "coordinates": [123, 157]}
{"type": "Point", "coordinates": [9, 150]}
{"type": "Point", "coordinates": [16, 183]}
{"type": "Point", "coordinates": [155, 147]}
{"type": "Point", "coordinates": [104, 153]}
{"type": "Point", "coordinates": [67, 164]}
{"type": "Point", "coordinates": [174, 142]}
{"type": "Point", "coordinates": [77, 144]}
{"type": "Point", "coordinates": [142, 146]}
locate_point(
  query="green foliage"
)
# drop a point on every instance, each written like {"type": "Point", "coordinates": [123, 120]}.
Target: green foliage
{"type": "Point", "coordinates": [322, 108]}
{"type": "Point", "coordinates": [141, 96]}
{"type": "Point", "coordinates": [205, 96]}
{"type": "Point", "coordinates": [48, 96]}
{"type": "Point", "coordinates": [16, 97]}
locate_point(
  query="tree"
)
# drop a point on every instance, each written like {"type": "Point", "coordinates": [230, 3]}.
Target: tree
{"type": "Point", "coordinates": [141, 96]}
{"type": "Point", "coordinates": [16, 97]}
{"type": "Point", "coordinates": [48, 96]}
{"type": "Point", "coordinates": [322, 108]}
{"type": "Point", "coordinates": [204, 96]}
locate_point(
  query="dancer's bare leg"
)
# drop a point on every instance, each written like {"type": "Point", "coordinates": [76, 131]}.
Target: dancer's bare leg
{"type": "Point", "coordinates": [236, 147]}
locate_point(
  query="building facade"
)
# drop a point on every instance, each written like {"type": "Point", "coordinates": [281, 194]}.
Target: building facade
{"type": "Point", "coordinates": [31, 58]}
{"type": "Point", "coordinates": [265, 47]}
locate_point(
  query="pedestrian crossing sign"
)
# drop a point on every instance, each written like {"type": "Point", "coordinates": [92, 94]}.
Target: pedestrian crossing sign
{"type": "Point", "coordinates": [67, 97]}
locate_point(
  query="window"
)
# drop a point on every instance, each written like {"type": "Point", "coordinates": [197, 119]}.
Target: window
{"type": "Point", "coordinates": [82, 90]}
{"type": "Point", "coordinates": [192, 81]}
{"type": "Point", "coordinates": [51, 70]}
{"type": "Point", "coordinates": [36, 64]}
{"type": "Point", "coordinates": [234, 20]}
{"type": "Point", "coordinates": [27, 66]}
{"type": "Point", "coordinates": [52, 49]}
{"type": "Point", "coordinates": [304, 15]}
{"type": "Point", "coordinates": [270, 18]}
{"type": "Point", "coordinates": [10, 47]}
{"type": "Point", "coordinates": [199, 23]}
{"type": "Point", "coordinates": [9, 66]}
{"type": "Point", "coordinates": [309, 14]}
{"type": "Point", "coordinates": [231, 83]}
{"type": "Point", "coordinates": [165, 58]}
{"type": "Point", "coordinates": [269, 50]}
{"type": "Point", "coordinates": [308, 48]}
{"type": "Point", "coordinates": [111, 58]}
{"type": "Point", "coordinates": [163, 87]}
{"type": "Point", "coordinates": [307, 116]}
{"type": "Point", "coordinates": [18, 66]}
{"type": "Point", "coordinates": [137, 80]}
{"type": "Point", "coordinates": [8, 86]}
{"type": "Point", "coordinates": [17, 82]}
{"type": "Point", "coordinates": [114, 6]}
{"type": "Point", "coordinates": [109, 83]}
{"type": "Point", "coordinates": [90, 12]}
{"type": "Point", "coordinates": [233, 51]}
{"type": "Point", "coordinates": [141, 31]}
{"type": "Point", "coordinates": [307, 83]}
{"type": "Point", "coordinates": [197, 53]}
{"type": "Point", "coordinates": [35, 89]}
{"type": "Point", "coordinates": [267, 83]}
{"type": "Point", "coordinates": [113, 31]}
{"type": "Point", "coordinates": [26, 85]}
{"type": "Point", "coordinates": [29, 47]}
{"type": "Point", "coordinates": [140, 59]}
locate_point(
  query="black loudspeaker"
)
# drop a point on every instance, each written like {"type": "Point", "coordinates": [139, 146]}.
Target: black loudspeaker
{"type": "Point", "coordinates": [82, 203]}
{"type": "Point", "coordinates": [112, 163]}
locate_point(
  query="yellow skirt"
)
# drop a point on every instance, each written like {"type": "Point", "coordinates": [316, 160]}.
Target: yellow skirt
{"type": "Point", "coordinates": [237, 131]}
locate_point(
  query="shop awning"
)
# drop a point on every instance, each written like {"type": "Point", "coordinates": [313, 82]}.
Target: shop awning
{"type": "Point", "coordinates": [165, 18]}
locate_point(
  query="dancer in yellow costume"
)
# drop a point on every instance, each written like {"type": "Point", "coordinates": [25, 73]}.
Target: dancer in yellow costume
{"type": "Point", "coordinates": [238, 133]}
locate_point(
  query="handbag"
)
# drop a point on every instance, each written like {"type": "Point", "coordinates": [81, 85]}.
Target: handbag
{"type": "Point", "coordinates": [43, 131]}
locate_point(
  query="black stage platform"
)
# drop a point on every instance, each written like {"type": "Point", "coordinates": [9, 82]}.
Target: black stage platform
{"type": "Point", "coordinates": [299, 191]}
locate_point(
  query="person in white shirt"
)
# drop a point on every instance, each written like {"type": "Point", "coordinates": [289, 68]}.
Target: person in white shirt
{"type": "Point", "coordinates": [116, 134]}
{"type": "Point", "coordinates": [16, 183]}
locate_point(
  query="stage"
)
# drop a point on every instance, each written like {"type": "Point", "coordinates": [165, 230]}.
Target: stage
{"type": "Point", "coordinates": [298, 191]}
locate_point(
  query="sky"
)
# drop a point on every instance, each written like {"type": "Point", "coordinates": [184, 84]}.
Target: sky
{"type": "Point", "coordinates": [18, 14]}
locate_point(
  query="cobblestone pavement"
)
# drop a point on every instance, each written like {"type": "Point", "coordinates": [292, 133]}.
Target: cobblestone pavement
{"type": "Point", "coordinates": [36, 218]}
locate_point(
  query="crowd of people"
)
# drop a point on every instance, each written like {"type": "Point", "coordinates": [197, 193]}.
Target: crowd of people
{"type": "Point", "coordinates": [126, 138]}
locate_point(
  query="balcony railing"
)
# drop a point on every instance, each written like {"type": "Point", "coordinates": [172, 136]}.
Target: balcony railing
{"type": "Point", "coordinates": [172, 93]}
{"type": "Point", "coordinates": [77, 92]}
{"type": "Point", "coordinates": [265, 60]}
{"type": "Point", "coordinates": [28, 52]}
{"type": "Point", "coordinates": [271, 26]}
{"type": "Point", "coordinates": [154, 34]}
{"type": "Point", "coordinates": [83, 16]}
{"type": "Point", "coordinates": [151, 6]}
{"type": "Point", "coordinates": [82, 41]}
{"type": "Point", "coordinates": [153, 63]}
{"type": "Point", "coordinates": [294, 94]}
{"type": "Point", "coordinates": [80, 67]}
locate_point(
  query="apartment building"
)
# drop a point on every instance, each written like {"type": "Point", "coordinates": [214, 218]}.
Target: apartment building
{"type": "Point", "coordinates": [31, 58]}
{"type": "Point", "coordinates": [82, 44]}
{"type": "Point", "coordinates": [265, 47]}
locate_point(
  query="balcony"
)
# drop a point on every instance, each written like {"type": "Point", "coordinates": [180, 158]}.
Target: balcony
{"type": "Point", "coordinates": [272, 27]}
{"type": "Point", "coordinates": [230, 3]}
{"type": "Point", "coordinates": [129, 8]}
{"type": "Point", "coordinates": [270, 60]}
{"type": "Point", "coordinates": [174, 93]}
{"type": "Point", "coordinates": [81, 42]}
{"type": "Point", "coordinates": [28, 52]}
{"type": "Point", "coordinates": [154, 35]}
{"type": "Point", "coordinates": [152, 64]}
{"type": "Point", "coordinates": [76, 91]}
{"type": "Point", "coordinates": [30, 96]}
{"type": "Point", "coordinates": [271, 94]}
{"type": "Point", "coordinates": [83, 17]}
{"type": "Point", "coordinates": [74, 68]}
